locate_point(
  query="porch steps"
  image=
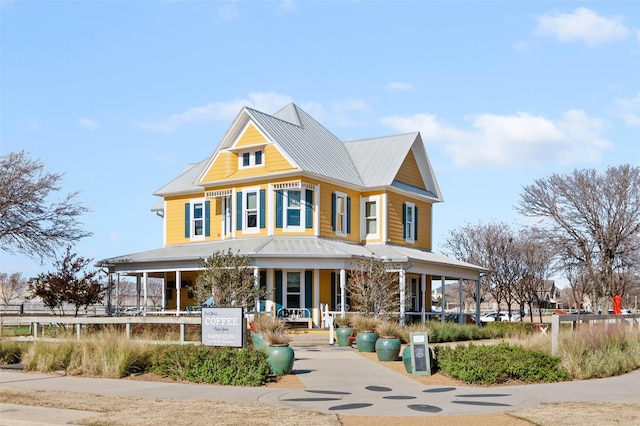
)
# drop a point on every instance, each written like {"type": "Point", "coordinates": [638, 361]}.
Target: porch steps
{"type": "Point", "coordinates": [307, 337]}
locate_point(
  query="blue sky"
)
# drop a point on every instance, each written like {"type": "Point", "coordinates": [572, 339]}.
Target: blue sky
{"type": "Point", "coordinates": [120, 96]}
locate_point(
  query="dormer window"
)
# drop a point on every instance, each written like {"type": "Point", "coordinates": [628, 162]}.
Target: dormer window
{"type": "Point", "coordinates": [251, 159]}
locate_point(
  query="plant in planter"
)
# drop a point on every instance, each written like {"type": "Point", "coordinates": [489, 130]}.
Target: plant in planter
{"type": "Point", "coordinates": [388, 343]}
{"type": "Point", "coordinates": [280, 355]}
{"type": "Point", "coordinates": [366, 336]}
{"type": "Point", "coordinates": [264, 324]}
{"type": "Point", "coordinates": [344, 330]}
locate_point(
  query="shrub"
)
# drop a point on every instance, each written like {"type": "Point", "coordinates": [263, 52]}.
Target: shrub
{"type": "Point", "coordinates": [386, 328]}
{"type": "Point", "coordinates": [46, 357]}
{"type": "Point", "coordinates": [364, 322]}
{"type": "Point", "coordinates": [495, 364]}
{"type": "Point", "coordinates": [11, 352]}
{"type": "Point", "coordinates": [201, 364]}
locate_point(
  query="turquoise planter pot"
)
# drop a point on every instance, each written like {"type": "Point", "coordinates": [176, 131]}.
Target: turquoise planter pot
{"type": "Point", "coordinates": [280, 359]}
{"type": "Point", "coordinates": [406, 358]}
{"type": "Point", "coordinates": [366, 341]}
{"type": "Point", "coordinates": [258, 340]}
{"type": "Point", "coordinates": [343, 334]}
{"type": "Point", "coordinates": [387, 348]}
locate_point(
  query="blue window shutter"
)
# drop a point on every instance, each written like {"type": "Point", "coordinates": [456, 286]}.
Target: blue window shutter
{"type": "Point", "coordinates": [279, 199]}
{"type": "Point", "coordinates": [333, 211]}
{"type": "Point", "coordinates": [187, 220]}
{"type": "Point", "coordinates": [415, 223]}
{"type": "Point", "coordinates": [332, 304]}
{"type": "Point", "coordinates": [308, 289]}
{"type": "Point", "coordinates": [239, 211]}
{"type": "Point", "coordinates": [309, 209]}
{"type": "Point", "coordinates": [262, 208]}
{"type": "Point", "coordinates": [348, 215]}
{"type": "Point", "coordinates": [278, 290]}
{"type": "Point", "coordinates": [207, 218]}
{"type": "Point", "coordinates": [404, 220]}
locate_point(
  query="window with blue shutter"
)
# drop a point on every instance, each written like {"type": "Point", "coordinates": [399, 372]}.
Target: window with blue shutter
{"type": "Point", "coordinates": [333, 211]}
{"type": "Point", "coordinates": [309, 208]}
{"type": "Point", "coordinates": [239, 211]}
{"type": "Point", "coordinates": [187, 220]}
{"type": "Point", "coordinates": [279, 197]}
{"type": "Point", "coordinates": [207, 218]}
{"type": "Point", "coordinates": [278, 279]}
{"type": "Point", "coordinates": [308, 289]}
{"type": "Point", "coordinates": [348, 215]}
{"type": "Point", "coordinates": [262, 208]}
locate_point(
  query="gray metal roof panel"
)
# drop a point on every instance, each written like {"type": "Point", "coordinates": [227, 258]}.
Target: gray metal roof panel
{"type": "Point", "coordinates": [379, 159]}
{"type": "Point", "coordinates": [185, 182]}
{"type": "Point", "coordinates": [309, 144]}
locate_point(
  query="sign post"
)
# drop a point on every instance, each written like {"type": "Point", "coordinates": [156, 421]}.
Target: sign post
{"type": "Point", "coordinates": [420, 357]}
{"type": "Point", "coordinates": [223, 327]}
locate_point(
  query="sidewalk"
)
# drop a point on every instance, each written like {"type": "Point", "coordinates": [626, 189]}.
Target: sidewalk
{"type": "Point", "coordinates": [337, 380]}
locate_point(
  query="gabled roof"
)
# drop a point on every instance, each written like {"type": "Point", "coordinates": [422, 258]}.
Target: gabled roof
{"type": "Point", "coordinates": [313, 149]}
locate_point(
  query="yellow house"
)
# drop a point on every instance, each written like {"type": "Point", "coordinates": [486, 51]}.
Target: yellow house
{"type": "Point", "coordinates": [304, 206]}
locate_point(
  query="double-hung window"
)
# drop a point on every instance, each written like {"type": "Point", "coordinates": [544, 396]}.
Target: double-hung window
{"type": "Point", "coordinates": [340, 213]}
{"type": "Point", "coordinates": [294, 289]}
{"type": "Point", "coordinates": [251, 211]}
{"type": "Point", "coordinates": [409, 222]}
{"type": "Point", "coordinates": [293, 209]}
{"type": "Point", "coordinates": [370, 218]}
{"type": "Point", "coordinates": [196, 214]}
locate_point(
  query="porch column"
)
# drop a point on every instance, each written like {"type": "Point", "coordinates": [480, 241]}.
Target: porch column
{"type": "Point", "coordinates": [178, 285]}
{"type": "Point", "coordinates": [269, 305]}
{"type": "Point", "coordinates": [145, 275]}
{"type": "Point", "coordinates": [423, 287]}
{"type": "Point", "coordinates": [478, 301]}
{"type": "Point", "coordinates": [138, 288]}
{"type": "Point", "coordinates": [118, 294]}
{"type": "Point", "coordinates": [164, 291]}
{"type": "Point", "coordinates": [343, 296]}
{"type": "Point", "coordinates": [256, 283]}
{"type": "Point", "coordinates": [402, 277]}
{"type": "Point", "coordinates": [316, 298]}
{"type": "Point", "coordinates": [460, 316]}
{"type": "Point", "coordinates": [442, 303]}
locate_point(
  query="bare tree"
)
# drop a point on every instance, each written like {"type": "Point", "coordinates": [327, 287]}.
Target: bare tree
{"type": "Point", "coordinates": [229, 278]}
{"type": "Point", "coordinates": [30, 222]}
{"type": "Point", "coordinates": [11, 287]}
{"type": "Point", "coordinates": [374, 287]}
{"type": "Point", "coordinates": [155, 288]}
{"type": "Point", "coordinates": [592, 220]}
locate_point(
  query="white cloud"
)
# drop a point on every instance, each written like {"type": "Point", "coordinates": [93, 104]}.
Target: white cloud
{"type": "Point", "coordinates": [287, 6]}
{"type": "Point", "coordinates": [630, 110]}
{"type": "Point", "coordinates": [268, 102]}
{"type": "Point", "coordinates": [89, 124]}
{"type": "Point", "coordinates": [582, 25]}
{"type": "Point", "coordinates": [398, 85]}
{"type": "Point", "coordinates": [518, 140]}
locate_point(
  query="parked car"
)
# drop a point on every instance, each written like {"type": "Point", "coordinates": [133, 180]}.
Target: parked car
{"type": "Point", "coordinates": [133, 310]}
{"type": "Point", "coordinates": [502, 316]}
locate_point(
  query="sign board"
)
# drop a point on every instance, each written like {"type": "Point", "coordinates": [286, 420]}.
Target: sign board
{"type": "Point", "coordinates": [223, 327]}
{"type": "Point", "coordinates": [420, 356]}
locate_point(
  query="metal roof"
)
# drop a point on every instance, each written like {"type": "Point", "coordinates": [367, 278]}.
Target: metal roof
{"type": "Point", "coordinates": [185, 182]}
{"type": "Point", "coordinates": [306, 251]}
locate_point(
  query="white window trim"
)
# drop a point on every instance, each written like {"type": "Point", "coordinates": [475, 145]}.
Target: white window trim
{"type": "Point", "coordinates": [285, 203]}
{"type": "Point", "coordinates": [192, 219]}
{"type": "Point", "coordinates": [285, 287]}
{"type": "Point", "coordinates": [363, 218]}
{"type": "Point", "coordinates": [252, 158]}
{"type": "Point", "coordinates": [245, 193]}
{"type": "Point", "coordinates": [410, 229]}
{"type": "Point", "coordinates": [342, 233]}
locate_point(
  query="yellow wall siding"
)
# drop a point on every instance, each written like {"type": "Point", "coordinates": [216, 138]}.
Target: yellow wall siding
{"type": "Point", "coordinates": [174, 219]}
{"type": "Point", "coordinates": [224, 166]}
{"type": "Point", "coordinates": [251, 136]}
{"type": "Point", "coordinates": [394, 221]}
{"type": "Point", "coordinates": [325, 212]}
{"type": "Point", "coordinates": [325, 286]}
{"type": "Point", "coordinates": [409, 172]}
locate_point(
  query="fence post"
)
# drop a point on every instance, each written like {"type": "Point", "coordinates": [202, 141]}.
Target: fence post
{"type": "Point", "coordinates": [555, 334]}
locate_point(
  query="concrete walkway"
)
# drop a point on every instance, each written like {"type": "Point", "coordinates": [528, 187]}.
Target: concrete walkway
{"type": "Point", "coordinates": [337, 380]}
